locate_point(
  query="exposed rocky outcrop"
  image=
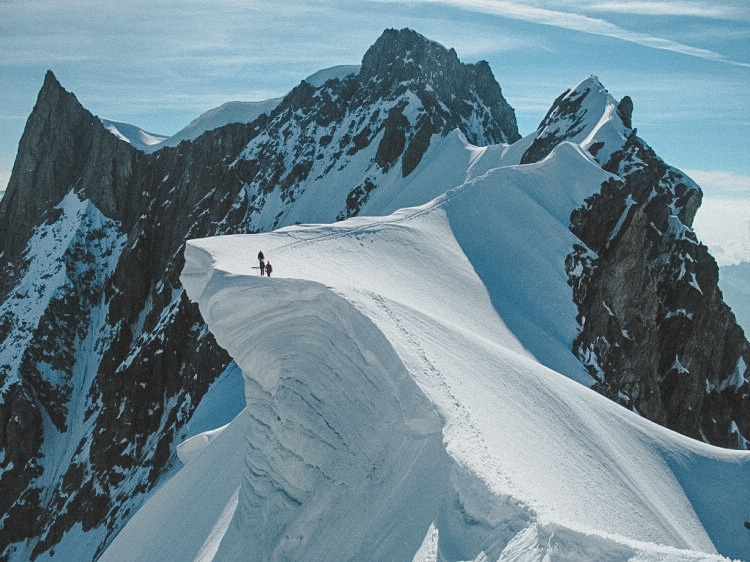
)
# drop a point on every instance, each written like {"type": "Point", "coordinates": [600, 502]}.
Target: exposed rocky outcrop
{"type": "Point", "coordinates": [102, 358]}
{"type": "Point", "coordinates": [65, 147]}
{"type": "Point", "coordinates": [448, 89]}
{"type": "Point", "coordinates": [655, 333]}
{"type": "Point", "coordinates": [408, 90]}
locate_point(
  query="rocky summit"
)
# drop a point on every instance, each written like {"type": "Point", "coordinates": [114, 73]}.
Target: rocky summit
{"type": "Point", "coordinates": [103, 359]}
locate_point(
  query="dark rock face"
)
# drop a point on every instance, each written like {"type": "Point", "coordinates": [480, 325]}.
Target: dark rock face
{"type": "Point", "coordinates": [65, 147]}
{"type": "Point", "coordinates": [655, 332]}
{"type": "Point", "coordinates": [102, 357]}
{"type": "Point", "coordinates": [118, 358]}
{"type": "Point", "coordinates": [400, 59]}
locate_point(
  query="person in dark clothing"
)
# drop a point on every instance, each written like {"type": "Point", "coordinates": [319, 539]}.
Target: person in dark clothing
{"type": "Point", "coordinates": [262, 259]}
{"type": "Point", "coordinates": [269, 269]}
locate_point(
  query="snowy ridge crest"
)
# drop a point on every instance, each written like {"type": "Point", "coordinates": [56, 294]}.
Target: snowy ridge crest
{"type": "Point", "coordinates": [407, 354]}
{"type": "Point", "coordinates": [447, 286]}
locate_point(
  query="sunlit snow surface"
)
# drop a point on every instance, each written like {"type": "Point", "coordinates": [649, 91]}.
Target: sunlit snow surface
{"type": "Point", "coordinates": [393, 413]}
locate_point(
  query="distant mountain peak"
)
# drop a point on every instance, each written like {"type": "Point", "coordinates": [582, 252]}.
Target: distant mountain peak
{"type": "Point", "coordinates": [404, 59]}
{"type": "Point", "coordinates": [405, 55]}
{"type": "Point", "coordinates": [51, 83]}
{"type": "Point", "coordinates": [586, 114]}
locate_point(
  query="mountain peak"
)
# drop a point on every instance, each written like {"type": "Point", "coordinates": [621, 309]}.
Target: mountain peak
{"type": "Point", "coordinates": [53, 96]}
{"type": "Point", "coordinates": [50, 81]}
{"type": "Point", "coordinates": [586, 114]}
{"type": "Point", "coordinates": [405, 55]}
{"type": "Point", "coordinates": [65, 146]}
{"type": "Point", "coordinates": [404, 59]}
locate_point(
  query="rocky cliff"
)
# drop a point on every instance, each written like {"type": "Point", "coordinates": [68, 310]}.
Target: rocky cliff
{"type": "Point", "coordinates": [102, 358]}
{"type": "Point", "coordinates": [655, 332]}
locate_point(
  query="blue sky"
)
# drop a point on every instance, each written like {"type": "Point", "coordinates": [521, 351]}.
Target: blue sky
{"type": "Point", "coordinates": [158, 65]}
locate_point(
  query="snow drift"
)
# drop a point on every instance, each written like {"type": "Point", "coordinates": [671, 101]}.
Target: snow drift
{"type": "Point", "coordinates": [393, 414]}
{"type": "Point", "coordinates": [402, 384]}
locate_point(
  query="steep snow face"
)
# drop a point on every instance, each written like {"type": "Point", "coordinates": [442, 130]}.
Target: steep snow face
{"type": "Point", "coordinates": [514, 227]}
{"type": "Point", "coordinates": [586, 115]}
{"type": "Point", "coordinates": [394, 314]}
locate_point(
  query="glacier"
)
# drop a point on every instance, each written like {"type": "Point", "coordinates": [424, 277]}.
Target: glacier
{"type": "Point", "coordinates": [392, 413]}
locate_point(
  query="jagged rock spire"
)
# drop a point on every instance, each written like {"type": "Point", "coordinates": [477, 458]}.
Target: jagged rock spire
{"type": "Point", "coordinates": [63, 147]}
{"type": "Point", "coordinates": [402, 59]}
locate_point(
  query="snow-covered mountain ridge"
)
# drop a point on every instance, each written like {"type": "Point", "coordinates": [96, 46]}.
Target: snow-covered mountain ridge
{"type": "Point", "coordinates": [226, 114]}
{"type": "Point", "coordinates": [156, 360]}
{"type": "Point", "coordinates": [412, 125]}
{"type": "Point", "coordinates": [531, 465]}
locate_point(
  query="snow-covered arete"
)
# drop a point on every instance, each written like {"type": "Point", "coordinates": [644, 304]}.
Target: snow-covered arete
{"type": "Point", "coordinates": [393, 415]}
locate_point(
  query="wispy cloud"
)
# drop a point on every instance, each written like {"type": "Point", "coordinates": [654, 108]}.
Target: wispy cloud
{"type": "Point", "coordinates": [721, 181]}
{"type": "Point", "coordinates": [723, 225]}
{"type": "Point", "coordinates": [726, 10]}
{"type": "Point", "coordinates": [578, 21]}
{"type": "Point", "coordinates": [723, 221]}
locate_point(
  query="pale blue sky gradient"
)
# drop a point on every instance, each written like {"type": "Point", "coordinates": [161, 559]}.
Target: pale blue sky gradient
{"type": "Point", "coordinates": [158, 65]}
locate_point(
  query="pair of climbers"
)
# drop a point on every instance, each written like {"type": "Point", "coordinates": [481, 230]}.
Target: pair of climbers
{"type": "Point", "coordinates": [265, 266]}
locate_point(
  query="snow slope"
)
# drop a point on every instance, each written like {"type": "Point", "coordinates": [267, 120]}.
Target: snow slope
{"type": "Point", "coordinates": [137, 137]}
{"type": "Point", "coordinates": [246, 111]}
{"type": "Point", "coordinates": [394, 414]}
{"type": "Point", "coordinates": [230, 112]}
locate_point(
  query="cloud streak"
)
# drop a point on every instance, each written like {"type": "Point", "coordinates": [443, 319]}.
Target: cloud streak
{"type": "Point", "coordinates": [721, 181]}
{"type": "Point", "coordinates": [587, 24]}
{"type": "Point", "coordinates": [710, 10]}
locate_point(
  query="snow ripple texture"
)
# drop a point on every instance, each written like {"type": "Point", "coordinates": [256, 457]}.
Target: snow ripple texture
{"type": "Point", "coordinates": [391, 415]}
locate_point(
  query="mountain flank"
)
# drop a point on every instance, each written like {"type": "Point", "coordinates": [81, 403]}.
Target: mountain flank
{"type": "Point", "coordinates": [104, 360]}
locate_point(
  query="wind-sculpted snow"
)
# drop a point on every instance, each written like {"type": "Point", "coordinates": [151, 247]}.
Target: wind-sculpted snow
{"type": "Point", "coordinates": [391, 413]}
{"type": "Point", "coordinates": [336, 434]}
{"type": "Point", "coordinates": [401, 377]}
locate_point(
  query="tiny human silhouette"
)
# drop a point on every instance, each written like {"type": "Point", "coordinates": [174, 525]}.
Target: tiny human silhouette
{"type": "Point", "coordinates": [262, 259]}
{"type": "Point", "coordinates": [269, 269]}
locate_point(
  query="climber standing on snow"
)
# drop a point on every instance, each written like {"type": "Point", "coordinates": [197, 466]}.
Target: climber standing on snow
{"type": "Point", "coordinates": [269, 269]}
{"type": "Point", "coordinates": [262, 260]}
